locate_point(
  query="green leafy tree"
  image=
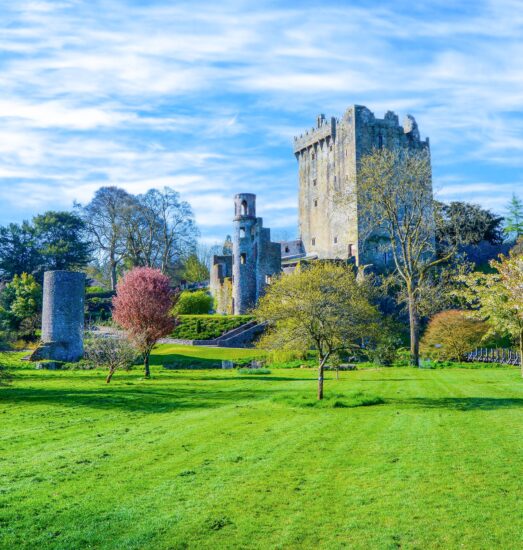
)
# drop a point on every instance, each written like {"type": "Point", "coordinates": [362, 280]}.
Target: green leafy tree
{"type": "Point", "coordinates": [498, 297]}
{"type": "Point", "coordinates": [463, 223]}
{"type": "Point", "coordinates": [195, 271]}
{"type": "Point", "coordinates": [21, 303]}
{"type": "Point", "coordinates": [61, 240]}
{"type": "Point", "coordinates": [320, 306]}
{"type": "Point", "coordinates": [514, 218]}
{"type": "Point", "coordinates": [19, 252]}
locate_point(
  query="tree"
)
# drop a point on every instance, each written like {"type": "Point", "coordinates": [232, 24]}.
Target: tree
{"type": "Point", "coordinates": [195, 271]}
{"type": "Point", "coordinates": [61, 242]}
{"type": "Point", "coordinates": [103, 218]}
{"type": "Point", "coordinates": [319, 306]}
{"type": "Point", "coordinates": [498, 297]}
{"type": "Point", "coordinates": [463, 223]}
{"type": "Point", "coordinates": [113, 353]}
{"type": "Point", "coordinates": [395, 200]}
{"type": "Point", "coordinates": [142, 306]}
{"type": "Point", "coordinates": [21, 303]}
{"type": "Point", "coordinates": [19, 251]}
{"type": "Point", "coordinates": [159, 230]}
{"type": "Point", "coordinates": [514, 225]}
{"type": "Point", "coordinates": [453, 333]}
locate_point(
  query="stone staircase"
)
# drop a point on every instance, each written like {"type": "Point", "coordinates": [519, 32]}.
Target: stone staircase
{"type": "Point", "coordinates": [240, 337]}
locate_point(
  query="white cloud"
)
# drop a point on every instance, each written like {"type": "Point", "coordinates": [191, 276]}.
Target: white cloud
{"type": "Point", "coordinates": [207, 99]}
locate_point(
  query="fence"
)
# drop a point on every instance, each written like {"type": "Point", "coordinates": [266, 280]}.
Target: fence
{"type": "Point", "coordinates": [486, 355]}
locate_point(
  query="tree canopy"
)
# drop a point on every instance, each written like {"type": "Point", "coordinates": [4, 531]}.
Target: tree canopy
{"type": "Point", "coordinates": [462, 223]}
{"type": "Point", "coordinates": [320, 306]}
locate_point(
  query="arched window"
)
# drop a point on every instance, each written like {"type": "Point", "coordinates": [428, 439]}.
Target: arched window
{"type": "Point", "coordinates": [243, 208]}
{"type": "Point", "coordinates": [287, 249]}
{"type": "Point", "coordinates": [242, 232]}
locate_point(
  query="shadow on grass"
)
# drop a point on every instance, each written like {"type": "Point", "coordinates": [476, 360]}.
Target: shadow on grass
{"type": "Point", "coordinates": [146, 400]}
{"type": "Point", "coordinates": [462, 403]}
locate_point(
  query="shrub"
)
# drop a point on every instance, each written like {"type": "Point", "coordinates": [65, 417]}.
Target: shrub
{"type": "Point", "coordinates": [451, 334]}
{"type": "Point", "coordinates": [207, 327]}
{"type": "Point", "coordinates": [111, 353]}
{"type": "Point", "coordinates": [194, 303]}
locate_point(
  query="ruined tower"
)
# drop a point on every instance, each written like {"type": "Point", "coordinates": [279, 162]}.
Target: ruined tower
{"type": "Point", "coordinates": [62, 316]}
{"type": "Point", "coordinates": [244, 253]}
{"type": "Point", "coordinates": [254, 261]}
{"type": "Point", "coordinates": [328, 157]}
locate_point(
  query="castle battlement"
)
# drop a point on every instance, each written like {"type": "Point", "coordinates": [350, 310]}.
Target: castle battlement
{"type": "Point", "coordinates": [324, 129]}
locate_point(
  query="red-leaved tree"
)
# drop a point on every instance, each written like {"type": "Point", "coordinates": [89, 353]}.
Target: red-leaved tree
{"type": "Point", "coordinates": [142, 306]}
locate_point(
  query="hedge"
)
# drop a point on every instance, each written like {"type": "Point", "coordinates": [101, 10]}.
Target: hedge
{"type": "Point", "coordinates": [207, 327]}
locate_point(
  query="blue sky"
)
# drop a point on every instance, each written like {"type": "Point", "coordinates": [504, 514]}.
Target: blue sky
{"type": "Point", "coordinates": [206, 96]}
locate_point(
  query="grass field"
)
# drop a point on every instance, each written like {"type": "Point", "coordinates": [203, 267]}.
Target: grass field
{"type": "Point", "coordinates": [214, 459]}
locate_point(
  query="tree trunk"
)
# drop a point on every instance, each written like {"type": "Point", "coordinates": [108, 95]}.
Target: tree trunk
{"type": "Point", "coordinates": [320, 376]}
{"type": "Point", "coordinates": [414, 336]}
{"type": "Point", "coordinates": [147, 371]}
{"type": "Point", "coordinates": [110, 375]}
{"type": "Point", "coordinates": [521, 351]}
{"type": "Point", "coordinates": [113, 275]}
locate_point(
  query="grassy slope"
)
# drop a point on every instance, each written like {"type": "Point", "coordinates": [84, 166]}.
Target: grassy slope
{"type": "Point", "coordinates": [207, 459]}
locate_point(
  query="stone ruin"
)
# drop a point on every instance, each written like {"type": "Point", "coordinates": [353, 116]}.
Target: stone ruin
{"type": "Point", "coordinates": [62, 317]}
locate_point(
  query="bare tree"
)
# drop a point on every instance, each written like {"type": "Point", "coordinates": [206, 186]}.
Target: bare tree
{"type": "Point", "coordinates": [103, 218]}
{"type": "Point", "coordinates": [159, 229]}
{"type": "Point", "coordinates": [395, 199]}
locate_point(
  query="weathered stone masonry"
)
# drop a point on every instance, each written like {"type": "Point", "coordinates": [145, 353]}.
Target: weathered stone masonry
{"type": "Point", "coordinates": [328, 157]}
{"type": "Point", "coordinates": [254, 261]}
{"type": "Point", "coordinates": [62, 316]}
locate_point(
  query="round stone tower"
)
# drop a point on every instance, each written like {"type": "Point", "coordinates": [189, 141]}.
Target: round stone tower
{"type": "Point", "coordinates": [63, 316]}
{"type": "Point", "coordinates": [244, 248]}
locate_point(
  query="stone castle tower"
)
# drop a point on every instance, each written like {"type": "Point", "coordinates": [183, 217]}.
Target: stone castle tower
{"type": "Point", "coordinates": [328, 157]}
{"type": "Point", "coordinates": [255, 259]}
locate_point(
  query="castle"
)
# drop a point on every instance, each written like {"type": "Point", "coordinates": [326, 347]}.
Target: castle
{"type": "Point", "coordinates": [328, 158]}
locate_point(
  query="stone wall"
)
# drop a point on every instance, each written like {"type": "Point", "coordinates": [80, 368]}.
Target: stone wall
{"type": "Point", "coordinates": [328, 156]}
{"type": "Point", "coordinates": [254, 261]}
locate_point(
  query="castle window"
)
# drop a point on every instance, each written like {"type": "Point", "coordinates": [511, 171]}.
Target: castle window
{"type": "Point", "coordinates": [243, 208]}
{"type": "Point", "coordinates": [268, 279]}
{"type": "Point", "coordinates": [330, 148]}
{"type": "Point", "coordinates": [287, 249]}
{"type": "Point", "coordinates": [242, 232]}
{"type": "Point", "coordinates": [314, 181]}
{"type": "Point", "coordinates": [335, 240]}
{"type": "Point", "coordinates": [351, 250]}
{"type": "Point", "coordinates": [243, 258]}
{"type": "Point", "coordinates": [313, 241]}
{"type": "Point", "coordinates": [335, 179]}
{"type": "Point", "coordinates": [313, 156]}
{"type": "Point", "coordinates": [315, 203]}
{"type": "Point", "coordinates": [380, 141]}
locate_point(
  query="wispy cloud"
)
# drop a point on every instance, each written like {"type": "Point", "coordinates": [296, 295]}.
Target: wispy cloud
{"type": "Point", "coordinates": [146, 94]}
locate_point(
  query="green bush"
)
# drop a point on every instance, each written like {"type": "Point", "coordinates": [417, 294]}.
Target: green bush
{"type": "Point", "coordinates": [207, 327]}
{"type": "Point", "coordinates": [194, 303]}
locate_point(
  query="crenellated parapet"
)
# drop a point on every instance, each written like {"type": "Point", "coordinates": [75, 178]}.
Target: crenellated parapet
{"type": "Point", "coordinates": [325, 129]}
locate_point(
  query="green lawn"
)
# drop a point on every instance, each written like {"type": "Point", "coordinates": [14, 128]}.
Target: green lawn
{"type": "Point", "coordinates": [214, 459]}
